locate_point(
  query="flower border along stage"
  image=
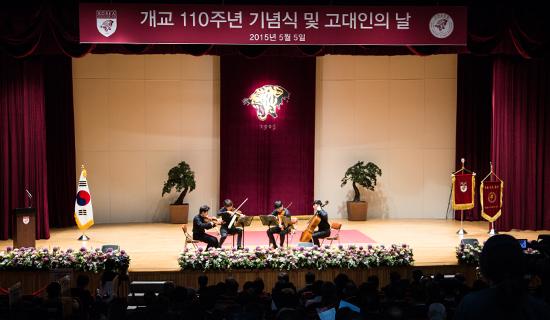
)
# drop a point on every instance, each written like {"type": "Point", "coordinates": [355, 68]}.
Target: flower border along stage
{"type": "Point", "coordinates": [320, 258]}
{"type": "Point", "coordinates": [32, 259]}
{"type": "Point", "coordinates": [469, 254]}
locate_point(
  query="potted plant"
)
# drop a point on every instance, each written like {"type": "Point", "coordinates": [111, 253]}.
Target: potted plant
{"type": "Point", "coordinates": [183, 179]}
{"type": "Point", "coordinates": [364, 175]}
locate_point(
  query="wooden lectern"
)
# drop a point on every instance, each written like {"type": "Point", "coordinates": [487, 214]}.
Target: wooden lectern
{"type": "Point", "coordinates": [24, 233]}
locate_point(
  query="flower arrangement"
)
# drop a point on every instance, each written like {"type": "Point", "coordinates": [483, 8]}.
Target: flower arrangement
{"type": "Point", "coordinates": [469, 254]}
{"type": "Point", "coordinates": [93, 260]}
{"type": "Point", "coordinates": [320, 258]}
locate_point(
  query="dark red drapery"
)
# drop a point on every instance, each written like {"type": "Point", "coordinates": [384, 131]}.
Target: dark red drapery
{"type": "Point", "coordinates": [22, 142]}
{"type": "Point", "coordinates": [37, 149]}
{"type": "Point", "coordinates": [473, 119]}
{"type": "Point", "coordinates": [274, 162]}
{"type": "Point", "coordinates": [58, 95]}
{"type": "Point", "coordinates": [521, 141]}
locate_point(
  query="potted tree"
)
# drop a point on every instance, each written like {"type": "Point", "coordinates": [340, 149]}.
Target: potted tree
{"type": "Point", "coordinates": [183, 179]}
{"type": "Point", "coordinates": [364, 175]}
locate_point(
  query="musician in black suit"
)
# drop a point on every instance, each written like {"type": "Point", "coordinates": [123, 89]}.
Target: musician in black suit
{"type": "Point", "coordinates": [200, 224]}
{"type": "Point", "coordinates": [323, 229]}
{"type": "Point", "coordinates": [226, 214]}
{"type": "Point", "coordinates": [280, 229]}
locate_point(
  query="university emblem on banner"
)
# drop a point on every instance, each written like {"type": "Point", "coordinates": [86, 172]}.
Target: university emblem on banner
{"type": "Point", "coordinates": [106, 22]}
{"type": "Point", "coordinates": [463, 191]}
{"type": "Point", "coordinates": [491, 199]}
{"type": "Point", "coordinates": [267, 100]}
{"type": "Point", "coordinates": [441, 25]}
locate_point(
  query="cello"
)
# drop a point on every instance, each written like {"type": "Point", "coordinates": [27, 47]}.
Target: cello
{"type": "Point", "coordinates": [307, 234]}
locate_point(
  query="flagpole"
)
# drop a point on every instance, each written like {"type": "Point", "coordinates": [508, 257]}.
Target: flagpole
{"type": "Point", "coordinates": [492, 232]}
{"type": "Point", "coordinates": [461, 231]}
{"type": "Point", "coordinates": [83, 237]}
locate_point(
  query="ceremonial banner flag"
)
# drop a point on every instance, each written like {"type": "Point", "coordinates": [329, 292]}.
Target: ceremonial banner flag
{"type": "Point", "coordinates": [491, 199]}
{"type": "Point", "coordinates": [83, 213]}
{"type": "Point", "coordinates": [463, 191]}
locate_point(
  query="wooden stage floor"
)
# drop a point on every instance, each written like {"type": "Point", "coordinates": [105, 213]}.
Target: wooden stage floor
{"type": "Point", "coordinates": [156, 246]}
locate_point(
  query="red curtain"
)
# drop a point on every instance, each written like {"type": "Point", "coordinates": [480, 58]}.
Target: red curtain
{"type": "Point", "coordinates": [22, 142]}
{"type": "Point", "coordinates": [272, 159]}
{"type": "Point", "coordinates": [521, 141]}
{"type": "Point", "coordinates": [60, 143]}
{"type": "Point", "coordinates": [473, 120]}
{"type": "Point", "coordinates": [37, 150]}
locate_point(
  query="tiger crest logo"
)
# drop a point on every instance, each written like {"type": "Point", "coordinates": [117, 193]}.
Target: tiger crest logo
{"type": "Point", "coordinates": [106, 22]}
{"type": "Point", "coordinates": [267, 100]}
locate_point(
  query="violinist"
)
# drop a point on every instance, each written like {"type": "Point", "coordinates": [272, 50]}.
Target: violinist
{"type": "Point", "coordinates": [226, 214]}
{"type": "Point", "coordinates": [281, 229]}
{"type": "Point", "coordinates": [323, 229]}
{"type": "Point", "coordinates": [202, 222]}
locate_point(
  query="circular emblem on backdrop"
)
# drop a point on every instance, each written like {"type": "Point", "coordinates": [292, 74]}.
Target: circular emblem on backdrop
{"type": "Point", "coordinates": [82, 198]}
{"type": "Point", "coordinates": [441, 25]}
{"type": "Point", "coordinates": [492, 197]}
{"type": "Point", "coordinates": [26, 219]}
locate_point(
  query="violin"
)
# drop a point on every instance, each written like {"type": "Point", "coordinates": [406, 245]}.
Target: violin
{"type": "Point", "coordinates": [215, 220]}
{"type": "Point", "coordinates": [313, 222]}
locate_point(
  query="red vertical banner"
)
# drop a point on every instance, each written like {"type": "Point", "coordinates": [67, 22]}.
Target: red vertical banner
{"type": "Point", "coordinates": [463, 191]}
{"type": "Point", "coordinates": [491, 200]}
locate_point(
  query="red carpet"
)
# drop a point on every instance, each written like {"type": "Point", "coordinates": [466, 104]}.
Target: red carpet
{"type": "Point", "coordinates": [259, 238]}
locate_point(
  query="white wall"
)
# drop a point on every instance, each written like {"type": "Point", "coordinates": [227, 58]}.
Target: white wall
{"type": "Point", "coordinates": [398, 112]}
{"type": "Point", "coordinates": [136, 116]}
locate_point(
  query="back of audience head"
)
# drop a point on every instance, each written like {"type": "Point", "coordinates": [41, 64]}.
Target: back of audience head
{"type": "Point", "coordinates": [502, 259]}
{"type": "Point", "coordinates": [53, 290]}
{"type": "Point", "coordinates": [203, 281]}
{"type": "Point", "coordinates": [310, 277]}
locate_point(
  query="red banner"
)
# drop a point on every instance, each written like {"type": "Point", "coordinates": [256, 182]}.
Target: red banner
{"type": "Point", "coordinates": [463, 191]}
{"type": "Point", "coordinates": [302, 25]}
{"type": "Point", "coordinates": [491, 199]}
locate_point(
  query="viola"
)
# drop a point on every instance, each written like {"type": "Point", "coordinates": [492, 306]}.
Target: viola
{"type": "Point", "coordinates": [313, 222]}
{"type": "Point", "coordinates": [235, 214]}
{"type": "Point", "coordinates": [280, 215]}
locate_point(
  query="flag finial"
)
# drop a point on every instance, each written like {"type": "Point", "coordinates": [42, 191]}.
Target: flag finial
{"type": "Point", "coordinates": [84, 172]}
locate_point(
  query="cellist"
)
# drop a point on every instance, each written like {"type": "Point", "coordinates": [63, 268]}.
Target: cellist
{"type": "Point", "coordinates": [323, 229]}
{"type": "Point", "coordinates": [279, 211]}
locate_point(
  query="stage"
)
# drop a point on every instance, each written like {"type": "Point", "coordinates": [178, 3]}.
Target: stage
{"type": "Point", "coordinates": [156, 246]}
{"type": "Point", "coordinates": [154, 249]}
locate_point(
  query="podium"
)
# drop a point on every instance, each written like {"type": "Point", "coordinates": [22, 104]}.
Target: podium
{"type": "Point", "coordinates": [24, 233]}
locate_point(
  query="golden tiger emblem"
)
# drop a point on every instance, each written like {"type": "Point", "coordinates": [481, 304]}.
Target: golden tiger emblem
{"type": "Point", "coordinates": [267, 100]}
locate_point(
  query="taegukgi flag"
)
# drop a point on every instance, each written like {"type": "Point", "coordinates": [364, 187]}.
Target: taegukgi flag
{"type": "Point", "coordinates": [83, 213]}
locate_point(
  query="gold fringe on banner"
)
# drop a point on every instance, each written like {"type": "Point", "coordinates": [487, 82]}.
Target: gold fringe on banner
{"type": "Point", "coordinates": [497, 215]}
{"type": "Point", "coordinates": [464, 206]}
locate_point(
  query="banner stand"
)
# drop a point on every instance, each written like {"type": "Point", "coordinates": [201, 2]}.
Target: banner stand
{"type": "Point", "coordinates": [492, 232]}
{"type": "Point", "coordinates": [491, 211]}
{"type": "Point", "coordinates": [84, 237]}
{"type": "Point", "coordinates": [461, 231]}
{"type": "Point", "coordinates": [462, 206]}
